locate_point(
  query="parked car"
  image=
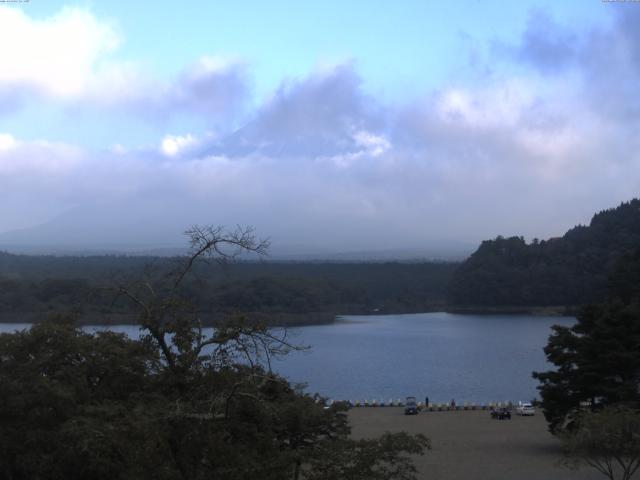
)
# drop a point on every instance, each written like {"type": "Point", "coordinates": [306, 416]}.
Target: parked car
{"type": "Point", "coordinates": [501, 413]}
{"type": "Point", "coordinates": [525, 409]}
{"type": "Point", "coordinates": [411, 406]}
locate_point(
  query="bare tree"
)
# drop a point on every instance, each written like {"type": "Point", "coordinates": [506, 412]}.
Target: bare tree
{"type": "Point", "coordinates": [178, 403]}
{"type": "Point", "coordinates": [608, 441]}
{"type": "Point", "coordinates": [176, 327]}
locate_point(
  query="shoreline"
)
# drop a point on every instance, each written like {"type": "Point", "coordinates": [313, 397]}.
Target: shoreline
{"type": "Point", "coordinates": [208, 320]}
{"type": "Point", "coordinates": [283, 319]}
{"type": "Point", "coordinates": [534, 310]}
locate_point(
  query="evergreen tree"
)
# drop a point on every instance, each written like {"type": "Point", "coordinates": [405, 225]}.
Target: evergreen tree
{"type": "Point", "coordinates": [598, 359]}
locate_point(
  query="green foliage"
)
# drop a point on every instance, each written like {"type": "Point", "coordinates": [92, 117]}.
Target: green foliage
{"type": "Point", "coordinates": [608, 440]}
{"type": "Point", "coordinates": [598, 359]}
{"type": "Point", "coordinates": [67, 395]}
{"type": "Point", "coordinates": [571, 270]}
{"type": "Point", "coordinates": [175, 404]}
{"type": "Point", "coordinates": [281, 292]}
{"type": "Point", "coordinates": [378, 459]}
{"type": "Point", "coordinates": [101, 406]}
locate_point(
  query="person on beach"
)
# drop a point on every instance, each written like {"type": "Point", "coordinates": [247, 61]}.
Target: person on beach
{"type": "Point", "coordinates": [426, 402]}
{"type": "Point", "coordinates": [453, 404]}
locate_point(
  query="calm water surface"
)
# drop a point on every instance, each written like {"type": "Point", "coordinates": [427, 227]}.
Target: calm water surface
{"type": "Point", "coordinates": [467, 357]}
{"type": "Point", "coordinates": [478, 358]}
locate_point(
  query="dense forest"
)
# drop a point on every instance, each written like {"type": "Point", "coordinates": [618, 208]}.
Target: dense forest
{"type": "Point", "coordinates": [177, 403]}
{"type": "Point", "coordinates": [276, 292]}
{"type": "Point", "coordinates": [568, 271]}
{"type": "Point", "coordinates": [503, 274]}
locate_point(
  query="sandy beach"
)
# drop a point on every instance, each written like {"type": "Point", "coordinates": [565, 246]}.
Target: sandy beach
{"type": "Point", "coordinates": [469, 445]}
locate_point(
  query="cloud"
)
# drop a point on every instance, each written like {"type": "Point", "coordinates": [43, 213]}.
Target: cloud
{"type": "Point", "coordinates": [321, 162]}
{"type": "Point", "coordinates": [41, 158]}
{"type": "Point", "coordinates": [311, 117]}
{"type": "Point", "coordinates": [7, 142]}
{"type": "Point", "coordinates": [211, 87]}
{"type": "Point", "coordinates": [173, 145]}
{"type": "Point", "coordinates": [56, 56]}
{"type": "Point", "coordinates": [602, 63]}
{"type": "Point", "coordinates": [375, 144]}
{"type": "Point", "coordinates": [349, 173]}
{"type": "Point", "coordinates": [546, 45]}
{"type": "Point", "coordinates": [37, 180]}
{"type": "Point", "coordinates": [70, 59]}
{"type": "Point", "coordinates": [610, 64]}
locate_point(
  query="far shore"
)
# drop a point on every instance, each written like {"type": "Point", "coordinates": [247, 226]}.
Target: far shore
{"type": "Point", "coordinates": [283, 319]}
{"type": "Point", "coordinates": [543, 311]}
{"type": "Point", "coordinates": [208, 320]}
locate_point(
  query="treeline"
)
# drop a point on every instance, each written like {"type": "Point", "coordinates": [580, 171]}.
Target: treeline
{"type": "Point", "coordinates": [505, 273]}
{"type": "Point", "coordinates": [177, 403]}
{"type": "Point", "coordinates": [289, 293]}
{"type": "Point", "coordinates": [568, 271]}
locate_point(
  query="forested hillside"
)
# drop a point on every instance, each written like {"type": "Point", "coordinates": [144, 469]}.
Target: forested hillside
{"type": "Point", "coordinates": [276, 292]}
{"type": "Point", "coordinates": [567, 271]}
{"type": "Point", "coordinates": [506, 272]}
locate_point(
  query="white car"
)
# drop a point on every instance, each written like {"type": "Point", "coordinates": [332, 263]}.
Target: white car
{"type": "Point", "coordinates": [525, 409]}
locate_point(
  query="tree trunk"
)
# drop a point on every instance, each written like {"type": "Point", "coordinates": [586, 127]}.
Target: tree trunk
{"type": "Point", "coordinates": [296, 471]}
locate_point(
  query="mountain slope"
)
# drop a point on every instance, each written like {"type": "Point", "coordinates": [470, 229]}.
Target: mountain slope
{"type": "Point", "coordinates": [570, 270]}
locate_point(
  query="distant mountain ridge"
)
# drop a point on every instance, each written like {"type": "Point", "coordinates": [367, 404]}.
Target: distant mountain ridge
{"type": "Point", "coordinates": [156, 230]}
{"type": "Point", "coordinates": [570, 270]}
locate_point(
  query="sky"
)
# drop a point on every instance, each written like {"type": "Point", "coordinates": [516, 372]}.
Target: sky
{"type": "Point", "coordinates": [339, 125]}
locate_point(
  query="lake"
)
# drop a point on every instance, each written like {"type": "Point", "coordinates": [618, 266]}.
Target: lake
{"type": "Point", "coordinates": [476, 358]}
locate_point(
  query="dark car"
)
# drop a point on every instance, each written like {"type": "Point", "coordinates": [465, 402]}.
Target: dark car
{"type": "Point", "coordinates": [501, 413]}
{"type": "Point", "coordinates": [411, 407]}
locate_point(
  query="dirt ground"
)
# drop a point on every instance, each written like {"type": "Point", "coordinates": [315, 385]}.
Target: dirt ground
{"type": "Point", "coordinates": [469, 445]}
